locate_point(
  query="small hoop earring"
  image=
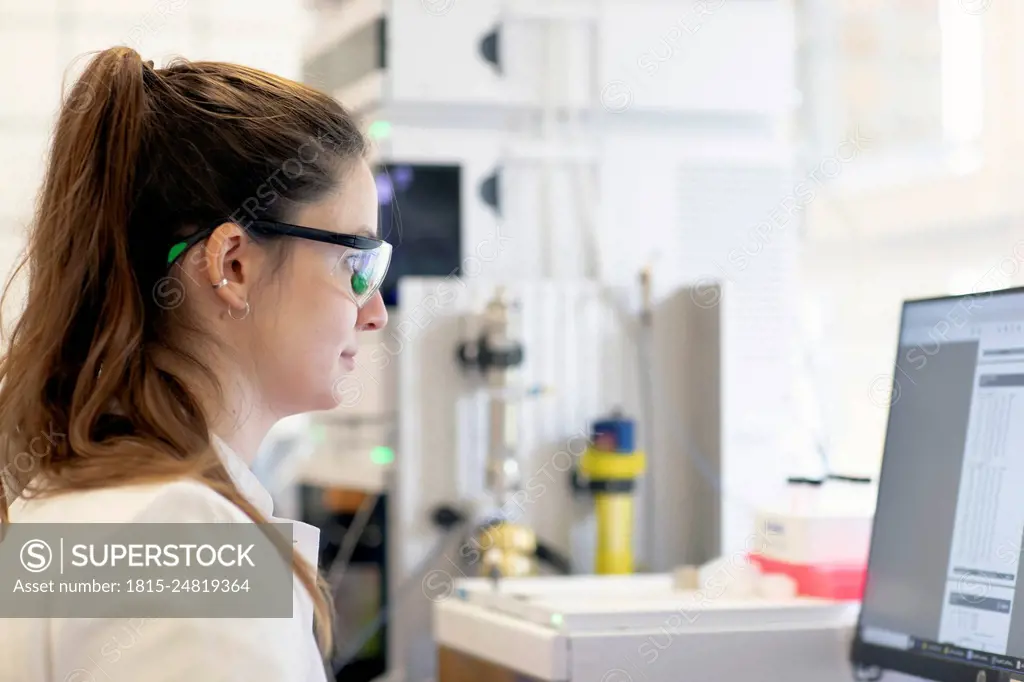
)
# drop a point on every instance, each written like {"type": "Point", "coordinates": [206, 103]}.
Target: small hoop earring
{"type": "Point", "coordinates": [222, 283]}
{"type": "Point", "coordinates": [231, 312]}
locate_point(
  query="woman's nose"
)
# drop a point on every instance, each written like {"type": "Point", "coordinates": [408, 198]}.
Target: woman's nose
{"type": "Point", "coordinates": [373, 315]}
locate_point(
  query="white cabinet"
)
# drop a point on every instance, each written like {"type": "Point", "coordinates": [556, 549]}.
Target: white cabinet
{"type": "Point", "coordinates": [371, 54]}
{"type": "Point", "coordinates": [735, 57]}
{"type": "Point", "coordinates": [436, 52]}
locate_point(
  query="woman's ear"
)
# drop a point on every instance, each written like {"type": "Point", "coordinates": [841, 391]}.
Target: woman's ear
{"type": "Point", "coordinates": [230, 264]}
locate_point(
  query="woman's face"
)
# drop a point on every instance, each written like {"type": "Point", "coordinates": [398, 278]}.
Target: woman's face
{"type": "Point", "coordinates": [300, 335]}
{"type": "Point", "coordinates": [311, 340]}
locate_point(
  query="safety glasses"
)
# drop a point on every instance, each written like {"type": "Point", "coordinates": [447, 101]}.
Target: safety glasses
{"type": "Point", "coordinates": [364, 267]}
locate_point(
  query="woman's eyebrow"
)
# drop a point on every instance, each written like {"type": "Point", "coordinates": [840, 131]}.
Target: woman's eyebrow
{"type": "Point", "coordinates": [365, 231]}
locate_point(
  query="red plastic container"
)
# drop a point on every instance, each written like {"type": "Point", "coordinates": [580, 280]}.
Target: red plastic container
{"type": "Point", "coordinates": [842, 583]}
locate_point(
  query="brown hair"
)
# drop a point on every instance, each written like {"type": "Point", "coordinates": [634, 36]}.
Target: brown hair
{"type": "Point", "coordinates": [141, 157]}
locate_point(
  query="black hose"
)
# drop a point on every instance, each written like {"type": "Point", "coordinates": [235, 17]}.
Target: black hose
{"type": "Point", "coordinates": [849, 479]}
{"type": "Point", "coordinates": [547, 554]}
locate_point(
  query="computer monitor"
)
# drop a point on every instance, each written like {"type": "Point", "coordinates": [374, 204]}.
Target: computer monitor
{"type": "Point", "coordinates": [944, 595]}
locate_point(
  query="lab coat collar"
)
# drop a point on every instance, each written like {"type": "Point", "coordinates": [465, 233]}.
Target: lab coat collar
{"type": "Point", "coordinates": [305, 537]}
{"type": "Point", "coordinates": [244, 478]}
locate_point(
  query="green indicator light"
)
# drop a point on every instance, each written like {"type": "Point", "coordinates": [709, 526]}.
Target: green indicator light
{"type": "Point", "coordinates": [319, 434]}
{"type": "Point", "coordinates": [380, 130]}
{"type": "Point", "coordinates": [556, 620]}
{"type": "Point", "coordinates": [382, 455]}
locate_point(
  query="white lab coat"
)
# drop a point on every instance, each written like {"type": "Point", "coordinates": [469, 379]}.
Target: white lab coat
{"type": "Point", "coordinates": [164, 650]}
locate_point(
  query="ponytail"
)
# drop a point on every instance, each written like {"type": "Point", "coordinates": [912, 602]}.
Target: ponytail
{"type": "Point", "coordinates": [89, 196]}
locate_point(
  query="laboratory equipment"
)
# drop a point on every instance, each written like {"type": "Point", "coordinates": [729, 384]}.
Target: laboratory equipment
{"type": "Point", "coordinates": [407, 54]}
{"type": "Point", "coordinates": [565, 154]}
{"type": "Point", "coordinates": [942, 595]}
{"type": "Point", "coordinates": [496, 354]}
{"type": "Point", "coordinates": [421, 214]}
{"type": "Point", "coordinates": [569, 338]}
{"type": "Point", "coordinates": [821, 522]}
{"type": "Point", "coordinates": [609, 468]}
{"type": "Point", "coordinates": [573, 337]}
{"type": "Point", "coordinates": [640, 627]}
{"type": "Point", "coordinates": [818, 534]}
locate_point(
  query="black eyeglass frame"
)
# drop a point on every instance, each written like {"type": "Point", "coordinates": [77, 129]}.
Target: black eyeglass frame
{"type": "Point", "coordinates": [271, 227]}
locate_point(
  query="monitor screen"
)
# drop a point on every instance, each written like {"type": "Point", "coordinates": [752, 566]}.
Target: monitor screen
{"type": "Point", "coordinates": [420, 216]}
{"type": "Point", "coordinates": [943, 596]}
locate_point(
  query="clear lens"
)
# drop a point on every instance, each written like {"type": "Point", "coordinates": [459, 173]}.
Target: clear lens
{"type": "Point", "coordinates": [365, 271]}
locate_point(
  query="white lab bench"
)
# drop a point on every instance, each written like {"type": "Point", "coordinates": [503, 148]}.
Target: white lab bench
{"type": "Point", "coordinates": [637, 629]}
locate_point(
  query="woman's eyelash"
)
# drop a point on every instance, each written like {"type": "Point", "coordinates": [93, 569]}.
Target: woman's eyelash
{"type": "Point", "coordinates": [349, 262]}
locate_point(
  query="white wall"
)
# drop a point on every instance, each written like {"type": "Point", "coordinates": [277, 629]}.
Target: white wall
{"type": "Point", "coordinates": [41, 39]}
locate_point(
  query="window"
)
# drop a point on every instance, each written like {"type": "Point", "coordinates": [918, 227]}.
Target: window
{"type": "Point", "coordinates": [905, 74]}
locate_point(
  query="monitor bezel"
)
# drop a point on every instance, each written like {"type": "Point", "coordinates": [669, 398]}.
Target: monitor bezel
{"type": "Point", "coordinates": [909, 662]}
{"type": "Point", "coordinates": [919, 665]}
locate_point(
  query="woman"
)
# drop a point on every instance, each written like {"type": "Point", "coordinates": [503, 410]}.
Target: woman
{"type": "Point", "coordinates": [203, 255]}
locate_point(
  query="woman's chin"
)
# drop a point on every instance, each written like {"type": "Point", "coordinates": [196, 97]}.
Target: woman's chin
{"type": "Point", "coordinates": [346, 392]}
